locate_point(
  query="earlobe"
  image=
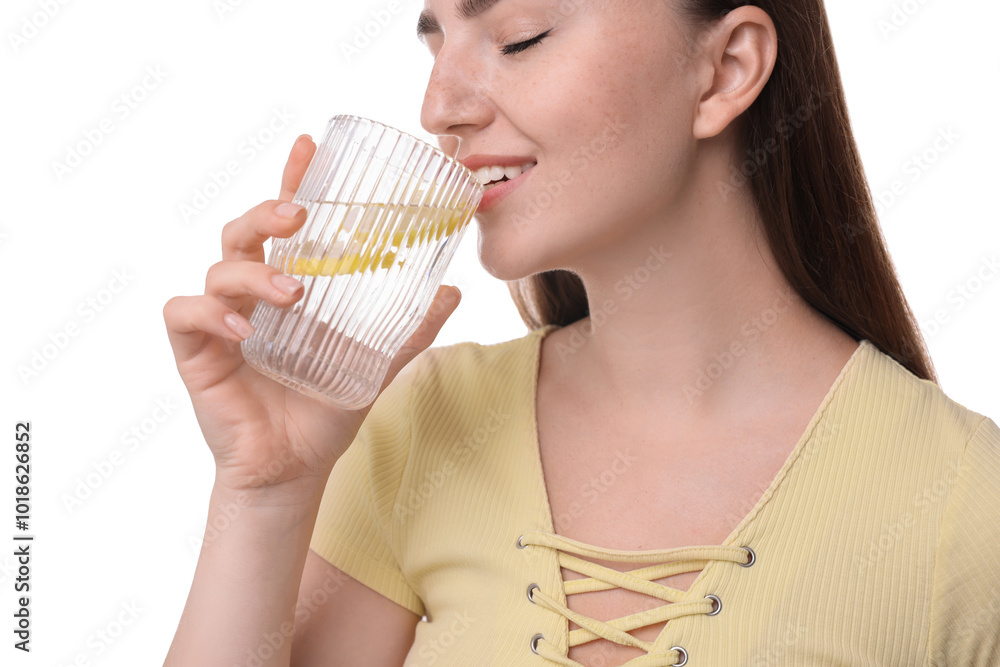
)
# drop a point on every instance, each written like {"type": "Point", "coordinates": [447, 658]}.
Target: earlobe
{"type": "Point", "coordinates": [741, 66]}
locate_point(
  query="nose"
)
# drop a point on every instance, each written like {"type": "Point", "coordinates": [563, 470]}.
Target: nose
{"type": "Point", "coordinates": [456, 101]}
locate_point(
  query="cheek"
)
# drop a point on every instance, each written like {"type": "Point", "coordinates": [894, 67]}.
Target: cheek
{"type": "Point", "coordinates": [623, 126]}
{"type": "Point", "coordinates": [635, 96]}
{"type": "Point", "coordinates": [614, 133]}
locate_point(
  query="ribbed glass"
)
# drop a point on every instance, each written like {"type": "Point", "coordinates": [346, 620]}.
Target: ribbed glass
{"type": "Point", "coordinates": [386, 212]}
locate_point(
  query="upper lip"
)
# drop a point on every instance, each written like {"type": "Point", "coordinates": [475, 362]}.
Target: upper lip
{"type": "Point", "coordinates": [476, 162]}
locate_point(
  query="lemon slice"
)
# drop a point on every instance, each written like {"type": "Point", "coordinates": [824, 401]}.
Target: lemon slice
{"type": "Point", "coordinates": [339, 266]}
{"type": "Point", "coordinates": [432, 225]}
{"type": "Point", "coordinates": [367, 251]}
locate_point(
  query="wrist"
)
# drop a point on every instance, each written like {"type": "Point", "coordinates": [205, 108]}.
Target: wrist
{"type": "Point", "coordinates": [299, 495]}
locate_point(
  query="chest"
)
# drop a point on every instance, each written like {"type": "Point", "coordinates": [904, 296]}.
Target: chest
{"type": "Point", "coordinates": [629, 493]}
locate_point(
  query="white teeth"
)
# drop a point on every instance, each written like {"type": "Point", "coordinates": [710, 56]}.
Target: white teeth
{"type": "Point", "coordinates": [487, 175]}
{"type": "Point", "coordinates": [512, 172]}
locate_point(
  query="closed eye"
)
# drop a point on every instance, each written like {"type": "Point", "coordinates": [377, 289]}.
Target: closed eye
{"type": "Point", "coordinates": [511, 49]}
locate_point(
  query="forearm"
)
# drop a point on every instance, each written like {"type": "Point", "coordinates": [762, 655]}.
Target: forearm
{"type": "Point", "coordinates": [242, 600]}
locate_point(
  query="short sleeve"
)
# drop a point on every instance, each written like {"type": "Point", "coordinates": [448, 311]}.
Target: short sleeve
{"type": "Point", "coordinates": [353, 528]}
{"type": "Point", "coordinates": [965, 604]}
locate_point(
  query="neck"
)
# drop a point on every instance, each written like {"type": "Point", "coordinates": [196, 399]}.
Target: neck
{"type": "Point", "coordinates": [691, 314]}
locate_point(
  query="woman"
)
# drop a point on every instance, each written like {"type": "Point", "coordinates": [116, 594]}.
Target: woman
{"type": "Point", "coordinates": [720, 444]}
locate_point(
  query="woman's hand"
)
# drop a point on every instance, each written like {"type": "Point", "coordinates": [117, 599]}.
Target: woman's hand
{"type": "Point", "coordinates": [261, 432]}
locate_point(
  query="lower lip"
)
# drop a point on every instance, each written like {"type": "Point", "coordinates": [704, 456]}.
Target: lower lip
{"type": "Point", "coordinates": [493, 196]}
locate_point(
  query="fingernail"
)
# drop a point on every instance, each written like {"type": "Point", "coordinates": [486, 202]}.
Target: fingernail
{"type": "Point", "coordinates": [452, 295]}
{"type": "Point", "coordinates": [286, 284]}
{"type": "Point", "coordinates": [239, 325]}
{"type": "Point", "coordinates": [287, 210]}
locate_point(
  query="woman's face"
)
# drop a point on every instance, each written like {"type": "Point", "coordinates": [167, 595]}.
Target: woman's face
{"type": "Point", "coordinates": [603, 103]}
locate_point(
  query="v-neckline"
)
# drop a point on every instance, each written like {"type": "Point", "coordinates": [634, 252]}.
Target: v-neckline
{"type": "Point", "coordinates": [812, 427]}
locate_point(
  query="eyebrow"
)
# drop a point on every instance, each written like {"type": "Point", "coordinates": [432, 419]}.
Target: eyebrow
{"type": "Point", "coordinates": [467, 9]}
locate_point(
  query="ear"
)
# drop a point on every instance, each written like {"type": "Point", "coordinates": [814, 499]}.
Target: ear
{"type": "Point", "coordinates": [739, 60]}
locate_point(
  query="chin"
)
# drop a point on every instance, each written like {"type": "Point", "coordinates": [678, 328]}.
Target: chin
{"type": "Point", "coordinates": [509, 268]}
{"type": "Point", "coordinates": [514, 254]}
{"type": "Point", "coordinates": [506, 271]}
{"type": "Point", "coordinates": [503, 264]}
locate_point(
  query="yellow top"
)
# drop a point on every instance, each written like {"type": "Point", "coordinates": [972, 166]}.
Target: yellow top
{"type": "Point", "coordinates": [876, 543]}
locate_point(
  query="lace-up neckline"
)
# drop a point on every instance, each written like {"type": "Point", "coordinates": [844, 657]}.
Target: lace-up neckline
{"type": "Point", "coordinates": [666, 562]}
{"type": "Point", "coordinates": [641, 580]}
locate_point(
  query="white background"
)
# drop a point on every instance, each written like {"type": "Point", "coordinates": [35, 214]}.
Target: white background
{"type": "Point", "coordinates": [226, 69]}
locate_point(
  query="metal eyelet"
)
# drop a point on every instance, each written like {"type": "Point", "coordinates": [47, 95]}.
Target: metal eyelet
{"type": "Point", "coordinates": [684, 656]}
{"type": "Point", "coordinates": [530, 589]}
{"type": "Point", "coordinates": [519, 545]}
{"type": "Point", "coordinates": [718, 605]}
{"type": "Point", "coordinates": [534, 643]}
{"type": "Point", "coordinates": [753, 558]}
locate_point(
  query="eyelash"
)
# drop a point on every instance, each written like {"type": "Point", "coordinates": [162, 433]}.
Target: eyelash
{"type": "Point", "coordinates": [512, 49]}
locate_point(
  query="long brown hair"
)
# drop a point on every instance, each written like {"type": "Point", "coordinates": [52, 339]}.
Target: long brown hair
{"type": "Point", "coordinates": [806, 178]}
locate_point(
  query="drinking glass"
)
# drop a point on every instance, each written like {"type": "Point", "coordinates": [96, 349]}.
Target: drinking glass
{"type": "Point", "coordinates": [386, 212]}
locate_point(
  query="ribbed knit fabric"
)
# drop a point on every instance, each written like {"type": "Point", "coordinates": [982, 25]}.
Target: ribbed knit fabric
{"type": "Point", "coordinates": [877, 543]}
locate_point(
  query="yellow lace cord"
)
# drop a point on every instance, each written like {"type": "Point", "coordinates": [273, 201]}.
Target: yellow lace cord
{"type": "Point", "coordinates": [600, 578]}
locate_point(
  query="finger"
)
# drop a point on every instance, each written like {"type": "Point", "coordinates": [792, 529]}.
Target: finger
{"type": "Point", "coordinates": [241, 284]}
{"type": "Point", "coordinates": [295, 167]}
{"type": "Point", "coordinates": [243, 238]}
{"type": "Point", "coordinates": [192, 322]}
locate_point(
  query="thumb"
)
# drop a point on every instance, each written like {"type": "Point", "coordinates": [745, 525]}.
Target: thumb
{"type": "Point", "coordinates": [444, 304]}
